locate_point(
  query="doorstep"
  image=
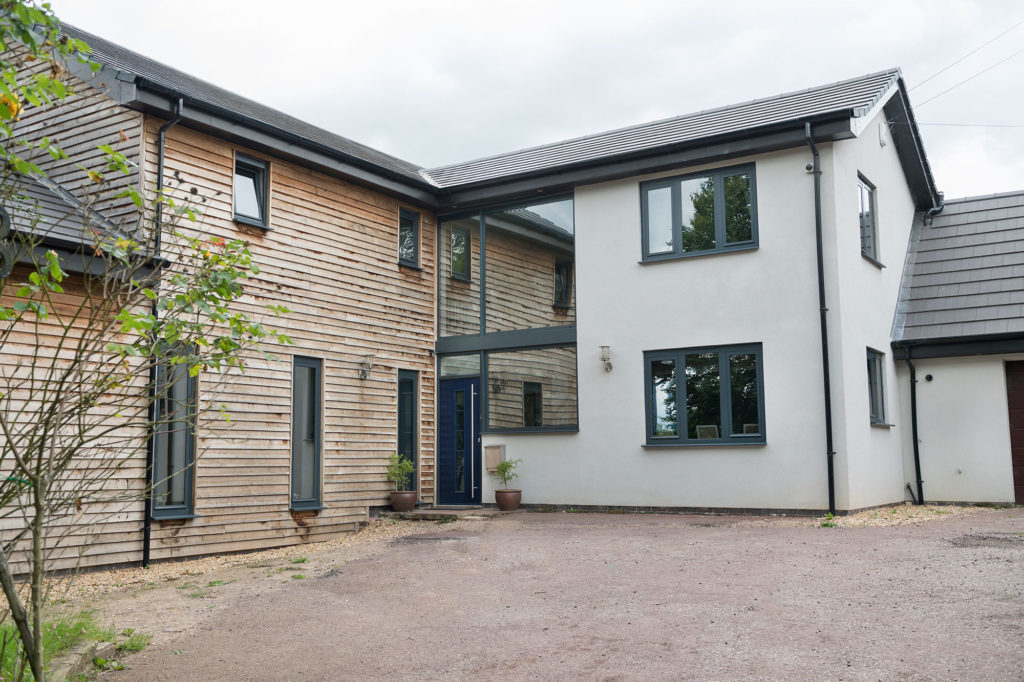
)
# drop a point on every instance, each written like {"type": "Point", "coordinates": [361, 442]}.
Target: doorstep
{"type": "Point", "coordinates": [444, 513]}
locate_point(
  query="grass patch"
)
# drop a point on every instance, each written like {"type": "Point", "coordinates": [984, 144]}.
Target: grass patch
{"type": "Point", "coordinates": [59, 636]}
{"type": "Point", "coordinates": [136, 642]}
{"type": "Point", "coordinates": [447, 518]}
{"type": "Point", "coordinates": [298, 576]}
{"type": "Point", "coordinates": [299, 560]}
{"type": "Point", "coordinates": [828, 522]}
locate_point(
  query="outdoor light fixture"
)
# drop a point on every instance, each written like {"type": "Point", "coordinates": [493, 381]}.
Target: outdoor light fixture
{"type": "Point", "coordinates": [365, 366]}
{"type": "Point", "coordinates": [605, 355]}
{"type": "Point", "coordinates": [498, 381]}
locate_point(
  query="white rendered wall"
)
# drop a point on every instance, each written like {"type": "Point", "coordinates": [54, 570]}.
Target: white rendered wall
{"type": "Point", "coordinates": [768, 296]}
{"type": "Point", "coordinates": [963, 429]}
{"type": "Point", "coordinates": [862, 301]}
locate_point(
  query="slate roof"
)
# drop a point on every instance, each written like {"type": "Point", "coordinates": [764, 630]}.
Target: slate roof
{"type": "Point", "coordinates": [965, 273]}
{"type": "Point", "coordinates": [196, 90]}
{"type": "Point", "coordinates": [853, 97]}
{"type": "Point", "coordinates": [42, 207]}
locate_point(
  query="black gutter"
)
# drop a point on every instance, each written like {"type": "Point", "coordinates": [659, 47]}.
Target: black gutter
{"type": "Point", "coordinates": [822, 309]}
{"type": "Point", "coordinates": [913, 428]}
{"type": "Point", "coordinates": [147, 521]}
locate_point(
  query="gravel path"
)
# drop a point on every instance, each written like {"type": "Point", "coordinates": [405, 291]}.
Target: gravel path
{"type": "Point", "coordinates": [601, 596]}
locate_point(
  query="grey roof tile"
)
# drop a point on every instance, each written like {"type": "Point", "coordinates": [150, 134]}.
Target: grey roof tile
{"type": "Point", "coordinates": [965, 274]}
{"type": "Point", "coordinates": [857, 95]}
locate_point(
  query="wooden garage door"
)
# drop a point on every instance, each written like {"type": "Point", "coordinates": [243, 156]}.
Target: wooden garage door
{"type": "Point", "coordinates": [1015, 398]}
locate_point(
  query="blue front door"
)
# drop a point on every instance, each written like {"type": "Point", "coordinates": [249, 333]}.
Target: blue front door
{"type": "Point", "coordinates": [458, 461]}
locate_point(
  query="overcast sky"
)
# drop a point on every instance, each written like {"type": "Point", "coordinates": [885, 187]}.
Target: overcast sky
{"type": "Point", "coordinates": [440, 82]}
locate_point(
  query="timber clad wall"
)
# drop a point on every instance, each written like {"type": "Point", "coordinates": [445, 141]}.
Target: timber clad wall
{"type": "Point", "coordinates": [331, 257]}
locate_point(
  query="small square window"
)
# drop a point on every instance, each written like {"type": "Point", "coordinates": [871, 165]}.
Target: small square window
{"type": "Point", "coordinates": [868, 219]}
{"type": "Point", "coordinates": [563, 283]}
{"type": "Point", "coordinates": [251, 191]}
{"type": "Point", "coordinates": [876, 386]}
{"type": "Point", "coordinates": [461, 252]}
{"type": "Point", "coordinates": [408, 238]}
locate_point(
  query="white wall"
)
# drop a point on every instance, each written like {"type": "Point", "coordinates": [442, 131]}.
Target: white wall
{"type": "Point", "coordinates": [963, 429]}
{"type": "Point", "coordinates": [862, 301]}
{"type": "Point", "coordinates": [766, 296]}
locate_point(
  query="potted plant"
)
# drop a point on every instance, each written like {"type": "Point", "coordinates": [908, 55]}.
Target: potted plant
{"type": "Point", "coordinates": [400, 473]}
{"type": "Point", "coordinates": [507, 499]}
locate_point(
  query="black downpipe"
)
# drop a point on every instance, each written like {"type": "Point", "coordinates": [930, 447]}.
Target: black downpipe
{"type": "Point", "coordinates": [913, 426]}
{"type": "Point", "coordinates": [822, 308]}
{"type": "Point", "coordinates": [147, 521]}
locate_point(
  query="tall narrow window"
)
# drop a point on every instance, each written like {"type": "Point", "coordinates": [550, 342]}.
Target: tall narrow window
{"type": "Point", "coordinates": [868, 219]}
{"type": "Point", "coordinates": [563, 283]}
{"type": "Point", "coordinates": [876, 386]}
{"type": "Point", "coordinates": [408, 419]}
{"type": "Point", "coordinates": [251, 191]}
{"type": "Point", "coordinates": [174, 442]}
{"type": "Point", "coordinates": [408, 238]}
{"type": "Point", "coordinates": [533, 404]}
{"type": "Point", "coordinates": [306, 440]}
{"type": "Point", "coordinates": [460, 253]}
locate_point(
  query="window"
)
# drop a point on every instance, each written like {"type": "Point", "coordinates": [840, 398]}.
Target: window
{"type": "Point", "coordinates": [868, 219]}
{"type": "Point", "coordinates": [704, 396]}
{"type": "Point", "coordinates": [876, 386]}
{"type": "Point", "coordinates": [533, 404]}
{"type": "Point", "coordinates": [306, 380]}
{"type": "Point", "coordinates": [251, 191]}
{"type": "Point", "coordinates": [461, 250]}
{"type": "Point", "coordinates": [408, 238]}
{"type": "Point", "coordinates": [407, 418]}
{"type": "Point", "coordinates": [563, 283]}
{"type": "Point", "coordinates": [709, 212]}
{"type": "Point", "coordinates": [174, 442]}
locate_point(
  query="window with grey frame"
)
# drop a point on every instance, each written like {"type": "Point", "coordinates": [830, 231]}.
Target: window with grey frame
{"type": "Point", "coordinates": [876, 386]}
{"type": "Point", "coordinates": [408, 419]}
{"type": "Point", "coordinates": [705, 396]}
{"type": "Point", "coordinates": [563, 283]}
{"type": "Point", "coordinates": [307, 377]}
{"type": "Point", "coordinates": [251, 191]}
{"type": "Point", "coordinates": [867, 203]}
{"type": "Point", "coordinates": [702, 213]}
{"type": "Point", "coordinates": [533, 404]}
{"type": "Point", "coordinates": [174, 443]}
{"type": "Point", "coordinates": [409, 238]}
{"type": "Point", "coordinates": [461, 253]}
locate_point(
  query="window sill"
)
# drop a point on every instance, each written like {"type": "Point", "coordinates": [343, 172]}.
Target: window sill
{"type": "Point", "coordinates": [175, 517]}
{"type": "Point", "coordinates": [661, 258]}
{"type": "Point", "coordinates": [883, 425]}
{"type": "Point", "coordinates": [242, 220]}
{"type": "Point", "coordinates": [876, 263]}
{"type": "Point", "coordinates": [542, 430]}
{"type": "Point", "coordinates": [730, 444]}
{"type": "Point", "coordinates": [457, 278]}
{"type": "Point", "coordinates": [410, 266]}
{"type": "Point", "coordinates": [303, 508]}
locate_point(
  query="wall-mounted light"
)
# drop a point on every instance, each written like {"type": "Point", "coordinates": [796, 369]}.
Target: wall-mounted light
{"type": "Point", "coordinates": [498, 381]}
{"type": "Point", "coordinates": [365, 365]}
{"type": "Point", "coordinates": [606, 353]}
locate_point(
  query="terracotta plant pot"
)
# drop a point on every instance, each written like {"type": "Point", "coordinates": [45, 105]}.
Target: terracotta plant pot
{"type": "Point", "coordinates": [508, 500]}
{"type": "Point", "coordinates": [403, 500]}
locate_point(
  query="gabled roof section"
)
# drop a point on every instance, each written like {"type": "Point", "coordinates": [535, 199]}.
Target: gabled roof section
{"type": "Point", "coordinates": [849, 98]}
{"type": "Point", "coordinates": [147, 73]}
{"type": "Point", "coordinates": [964, 277]}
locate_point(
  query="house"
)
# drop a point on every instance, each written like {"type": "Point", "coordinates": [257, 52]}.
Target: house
{"type": "Point", "coordinates": [673, 315]}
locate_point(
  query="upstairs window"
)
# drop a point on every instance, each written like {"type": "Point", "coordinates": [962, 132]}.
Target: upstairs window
{"type": "Point", "coordinates": [460, 253]}
{"type": "Point", "coordinates": [408, 238]}
{"type": "Point", "coordinates": [533, 404]}
{"type": "Point", "coordinates": [868, 219]}
{"type": "Point", "coordinates": [563, 283]}
{"type": "Point", "coordinates": [251, 191]}
{"type": "Point", "coordinates": [876, 386]}
{"type": "Point", "coordinates": [691, 215]}
{"type": "Point", "coordinates": [705, 396]}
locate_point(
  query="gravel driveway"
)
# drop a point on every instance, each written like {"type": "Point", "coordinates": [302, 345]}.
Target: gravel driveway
{"type": "Point", "coordinates": [603, 596]}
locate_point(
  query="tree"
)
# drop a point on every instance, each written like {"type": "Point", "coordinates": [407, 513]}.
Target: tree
{"type": "Point", "coordinates": [93, 356]}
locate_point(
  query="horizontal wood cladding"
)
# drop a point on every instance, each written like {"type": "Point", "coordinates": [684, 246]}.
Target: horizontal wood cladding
{"type": "Point", "coordinates": [84, 120]}
{"type": "Point", "coordinates": [331, 257]}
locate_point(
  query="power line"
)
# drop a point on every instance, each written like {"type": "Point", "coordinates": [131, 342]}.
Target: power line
{"type": "Point", "coordinates": [989, 42]}
{"type": "Point", "coordinates": [985, 70]}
